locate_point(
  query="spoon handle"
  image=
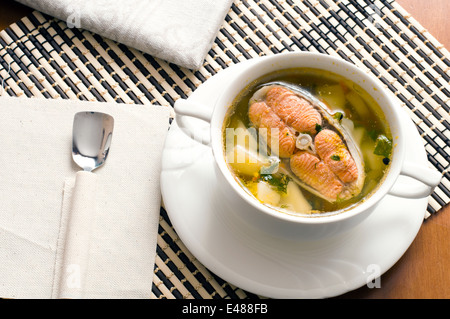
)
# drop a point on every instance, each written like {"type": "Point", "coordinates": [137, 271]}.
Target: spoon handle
{"type": "Point", "coordinates": [78, 234]}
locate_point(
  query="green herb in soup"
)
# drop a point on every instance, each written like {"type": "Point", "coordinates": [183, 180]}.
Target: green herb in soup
{"type": "Point", "coordinates": [307, 141]}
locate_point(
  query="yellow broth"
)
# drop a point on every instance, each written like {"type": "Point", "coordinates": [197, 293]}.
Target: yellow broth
{"type": "Point", "coordinates": [341, 96]}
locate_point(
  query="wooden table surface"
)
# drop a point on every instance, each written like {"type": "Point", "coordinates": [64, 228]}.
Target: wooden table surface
{"type": "Point", "coordinates": [424, 269]}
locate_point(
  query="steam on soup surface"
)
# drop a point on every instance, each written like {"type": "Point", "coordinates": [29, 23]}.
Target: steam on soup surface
{"type": "Point", "coordinates": [306, 141]}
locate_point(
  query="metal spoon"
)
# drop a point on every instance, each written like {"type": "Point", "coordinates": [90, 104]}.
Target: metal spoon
{"type": "Point", "coordinates": [92, 134]}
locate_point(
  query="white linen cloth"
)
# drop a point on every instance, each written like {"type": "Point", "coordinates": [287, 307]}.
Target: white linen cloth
{"type": "Point", "coordinates": [179, 31]}
{"type": "Point", "coordinates": [37, 179]}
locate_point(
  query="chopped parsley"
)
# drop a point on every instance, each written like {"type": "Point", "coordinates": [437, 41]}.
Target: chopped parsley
{"type": "Point", "coordinates": [318, 128]}
{"type": "Point", "coordinates": [383, 146]}
{"type": "Point", "coordinates": [335, 157]}
{"type": "Point", "coordinates": [279, 182]}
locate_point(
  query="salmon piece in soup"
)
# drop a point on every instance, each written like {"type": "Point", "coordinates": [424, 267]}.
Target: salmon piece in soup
{"type": "Point", "coordinates": [335, 154]}
{"type": "Point", "coordinates": [315, 173]}
{"type": "Point", "coordinates": [263, 117]}
{"type": "Point", "coordinates": [294, 110]}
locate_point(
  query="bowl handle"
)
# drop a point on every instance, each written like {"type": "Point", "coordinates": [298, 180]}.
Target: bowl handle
{"type": "Point", "coordinates": [429, 177]}
{"type": "Point", "coordinates": [184, 108]}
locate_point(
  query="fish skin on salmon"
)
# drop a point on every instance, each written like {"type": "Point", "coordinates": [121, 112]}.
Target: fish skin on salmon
{"type": "Point", "coordinates": [297, 112]}
{"type": "Point", "coordinates": [263, 117]}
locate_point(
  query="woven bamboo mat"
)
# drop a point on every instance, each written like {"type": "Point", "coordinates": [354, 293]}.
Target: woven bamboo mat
{"type": "Point", "coordinates": [40, 56]}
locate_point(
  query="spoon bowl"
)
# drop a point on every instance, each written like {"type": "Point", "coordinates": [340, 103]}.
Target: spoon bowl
{"type": "Point", "coordinates": [92, 134]}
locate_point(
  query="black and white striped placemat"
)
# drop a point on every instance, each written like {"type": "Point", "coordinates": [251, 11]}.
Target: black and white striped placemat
{"type": "Point", "coordinates": [42, 57]}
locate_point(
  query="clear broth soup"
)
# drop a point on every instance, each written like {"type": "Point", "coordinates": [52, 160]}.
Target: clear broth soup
{"type": "Point", "coordinates": [270, 180]}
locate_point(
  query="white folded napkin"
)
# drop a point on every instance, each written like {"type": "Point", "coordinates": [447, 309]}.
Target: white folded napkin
{"type": "Point", "coordinates": [37, 185]}
{"type": "Point", "coordinates": [179, 31]}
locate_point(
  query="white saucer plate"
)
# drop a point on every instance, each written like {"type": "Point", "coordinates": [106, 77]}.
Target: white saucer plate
{"type": "Point", "coordinates": [270, 266]}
